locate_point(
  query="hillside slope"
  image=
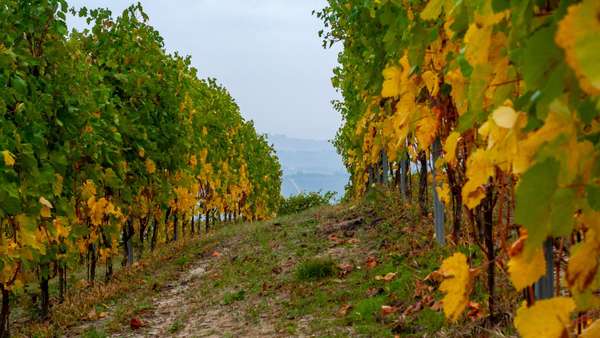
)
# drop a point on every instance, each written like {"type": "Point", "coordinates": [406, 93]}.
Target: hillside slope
{"type": "Point", "coordinates": [333, 271]}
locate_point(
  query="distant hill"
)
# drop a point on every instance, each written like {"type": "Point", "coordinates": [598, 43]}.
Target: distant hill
{"type": "Point", "coordinates": [309, 165]}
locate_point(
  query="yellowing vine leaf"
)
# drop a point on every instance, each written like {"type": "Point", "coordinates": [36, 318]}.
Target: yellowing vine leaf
{"type": "Point", "coordinates": [479, 170]}
{"type": "Point", "coordinates": [444, 193]}
{"type": "Point", "coordinates": [150, 166]}
{"type": "Point", "coordinates": [578, 35]}
{"type": "Point", "coordinates": [61, 230]}
{"type": "Point", "coordinates": [426, 128]}
{"type": "Point", "coordinates": [526, 269]}
{"type": "Point", "coordinates": [593, 331]}
{"type": "Point", "coordinates": [392, 81]}
{"type": "Point", "coordinates": [456, 285]}
{"type": "Point", "coordinates": [433, 10]}
{"type": "Point", "coordinates": [582, 267]}
{"type": "Point", "coordinates": [546, 318]}
{"type": "Point", "coordinates": [45, 202]}
{"type": "Point", "coordinates": [450, 147]}
{"type": "Point", "coordinates": [88, 190]}
{"type": "Point", "coordinates": [431, 82]}
{"type": "Point", "coordinates": [9, 158]}
{"type": "Point", "coordinates": [505, 117]}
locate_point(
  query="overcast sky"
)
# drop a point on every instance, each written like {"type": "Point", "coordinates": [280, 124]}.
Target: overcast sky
{"type": "Point", "coordinates": [266, 52]}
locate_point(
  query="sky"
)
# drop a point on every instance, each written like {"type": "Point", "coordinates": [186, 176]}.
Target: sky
{"type": "Point", "coordinates": [266, 52]}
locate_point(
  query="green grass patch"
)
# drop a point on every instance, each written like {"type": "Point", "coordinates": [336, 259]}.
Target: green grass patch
{"type": "Point", "coordinates": [315, 269]}
{"type": "Point", "coordinates": [94, 333]}
{"type": "Point", "coordinates": [232, 297]}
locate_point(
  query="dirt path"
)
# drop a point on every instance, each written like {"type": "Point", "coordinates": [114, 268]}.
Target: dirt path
{"type": "Point", "coordinates": [179, 310]}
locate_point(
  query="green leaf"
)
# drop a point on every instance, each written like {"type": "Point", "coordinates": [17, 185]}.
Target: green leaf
{"type": "Point", "coordinates": [534, 199]}
{"type": "Point", "coordinates": [477, 87]}
{"type": "Point", "coordinates": [9, 199]}
{"type": "Point", "coordinates": [593, 196]}
{"type": "Point", "coordinates": [540, 57]}
{"type": "Point", "coordinates": [433, 10]}
{"type": "Point", "coordinates": [562, 211]}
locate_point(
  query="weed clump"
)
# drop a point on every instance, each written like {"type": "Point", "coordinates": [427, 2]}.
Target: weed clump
{"type": "Point", "coordinates": [315, 269]}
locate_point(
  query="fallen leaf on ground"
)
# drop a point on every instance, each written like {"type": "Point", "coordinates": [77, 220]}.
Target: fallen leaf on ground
{"type": "Point", "coordinates": [387, 278]}
{"type": "Point", "coordinates": [92, 315]}
{"type": "Point", "coordinates": [437, 306]}
{"type": "Point", "coordinates": [371, 262]}
{"type": "Point", "coordinates": [135, 323]}
{"type": "Point", "coordinates": [388, 310]}
{"type": "Point", "coordinates": [216, 254]}
{"type": "Point", "coordinates": [344, 309]}
{"type": "Point", "coordinates": [345, 268]}
{"type": "Point", "coordinates": [371, 292]}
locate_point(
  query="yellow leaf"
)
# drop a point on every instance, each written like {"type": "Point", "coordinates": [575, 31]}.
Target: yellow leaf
{"type": "Point", "coordinates": [9, 158]}
{"type": "Point", "coordinates": [505, 117]}
{"type": "Point", "coordinates": [444, 193]}
{"type": "Point", "coordinates": [479, 170]}
{"type": "Point", "coordinates": [593, 331]}
{"type": "Point", "coordinates": [578, 35]}
{"type": "Point", "coordinates": [426, 128]}
{"type": "Point", "coordinates": [45, 212]}
{"type": "Point", "coordinates": [141, 152]}
{"type": "Point", "coordinates": [57, 186]}
{"type": "Point", "coordinates": [477, 43]}
{"type": "Point", "coordinates": [582, 269]}
{"type": "Point", "coordinates": [150, 166]}
{"type": "Point", "coordinates": [432, 82]}
{"type": "Point", "coordinates": [456, 285]}
{"type": "Point", "coordinates": [450, 147]}
{"type": "Point", "coordinates": [433, 10]}
{"type": "Point", "coordinates": [526, 269]}
{"type": "Point", "coordinates": [45, 202]}
{"type": "Point", "coordinates": [392, 81]}
{"type": "Point", "coordinates": [546, 318]}
{"type": "Point", "coordinates": [61, 231]}
{"type": "Point", "coordinates": [458, 82]}
{"type": "Point", "coordinates": [89, 189]}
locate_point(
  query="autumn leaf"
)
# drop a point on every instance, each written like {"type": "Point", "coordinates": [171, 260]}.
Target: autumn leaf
{"type": "Point", "coordinates": [387, 310]}
{"type": "Point", "coordinates": [505, 117]}
{"type": "Point", "coordinates": [450, 147]}
{"type": "Point", "coordinates": [431, 82]}
{"type": "Point", "coordinates": [392, 81]}
{"type": "Point", "coordinates": [371, 262]}
{"type": "Point", "coordinates": [526, 268]}
{"type": "Point", "coordinates": [456, 285]}
{"type": "Point", "coordinates": [9, 158]}
{"type": "Point", "coordinates": [443, 192]}
{"type": "Point", "coordinates": [582, 270]}
{"type": "Point", "coordinates": [546, 318]}
{"type": "Point", "coordinates": [150, 166]}
{"type": "Point", "coordinates": [43, 201]}
{"type": "Point", "coordinates": [387, 278]}
{"type": "Point", "coordinates": [88, 190]}
{"type": "Point", "coordinates": [578, 35]}
{"type": "Point", "coordinates": [433, 10]}
{"type": "Point", "coordinates": [343, 311]}
{"type": "Point", "coordinates": [593, 331]}
{"type": "Point", "coordinates": [479, 169]}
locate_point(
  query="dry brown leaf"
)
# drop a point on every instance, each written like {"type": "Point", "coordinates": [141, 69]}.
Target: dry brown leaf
{"type": "Point", "coordinates": [387, 310]}
{"type": "Point", "coordinates": [343, 311]}
{"type": "Point", "coordinates": [371, 262]}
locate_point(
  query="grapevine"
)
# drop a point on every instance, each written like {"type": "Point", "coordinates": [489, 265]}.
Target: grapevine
{"type": "Point", "coordinates": [108, 142]}
{"type": "Point", "coordinates": [499, 101]}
